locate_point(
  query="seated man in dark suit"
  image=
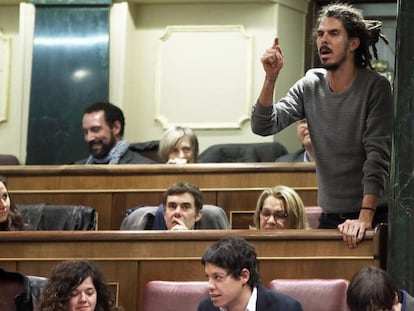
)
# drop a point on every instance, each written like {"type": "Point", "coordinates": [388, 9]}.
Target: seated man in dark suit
{"type": "Point", "coordinates": [182, 208]}
{"type": "Point", "coordinates": [305, 154]}
{"type": "Point", "coordinates": [183, 205]}
{"type": "Point", "coordinates": [103, 127]}
{"type": "Point", "coordinates": [230, 265]}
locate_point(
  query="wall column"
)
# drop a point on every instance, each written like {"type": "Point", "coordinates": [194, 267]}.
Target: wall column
{"type": "Point", "coordinates": [70, 70]}
{"type": "Point", "coordinates": [401, 219]}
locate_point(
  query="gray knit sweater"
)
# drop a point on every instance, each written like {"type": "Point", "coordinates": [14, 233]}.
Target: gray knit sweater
{"type": "Point", "coordinates": [350, 132]}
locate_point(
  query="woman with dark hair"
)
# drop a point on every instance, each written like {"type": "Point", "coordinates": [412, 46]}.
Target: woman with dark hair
{"type": "Point", "coordinates": [76, 285]}
{"type": "Point", "coordinates": [372, 288]}
{"type": "Point", "coordinates": [10, 217]}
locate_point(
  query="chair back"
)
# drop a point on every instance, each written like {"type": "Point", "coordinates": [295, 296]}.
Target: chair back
{"type": "Point", "coordinates": [246, 152]}
{"type": "Point", "coordinates": [37, 284]}
{"type": "Point", "coordinates": [8, 159]}
{"type": "Point", "coordinates": [173, 295]}
{"type": "Point", "coordinates": [59, 217]}
{"type": "Point", "coordinates": [214, 217]}
{"type": "Point", "coordinates": [315, 294]}
{"type": "Point", "coordinates": [142, 218]}
{"type": "Point", "coordinates": [148, 149]}
{"type": "Point", "coordinates": [19, 292]}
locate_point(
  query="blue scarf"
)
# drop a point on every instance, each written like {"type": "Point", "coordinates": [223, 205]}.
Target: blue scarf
{"type": "Point", "coordinates": [113, 156]}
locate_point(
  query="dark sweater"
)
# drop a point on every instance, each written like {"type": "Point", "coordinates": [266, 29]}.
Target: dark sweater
{"type": "Point", "coordinates": [351, 134]}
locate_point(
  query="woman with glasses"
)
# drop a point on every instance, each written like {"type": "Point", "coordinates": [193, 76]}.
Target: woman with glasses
{"type": "Point", "coordinates": [280, 207]}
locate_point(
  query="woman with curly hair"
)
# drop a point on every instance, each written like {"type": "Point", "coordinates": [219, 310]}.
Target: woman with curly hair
{"type": "Point", "coordinates": [10, 217]}
{"type": "Point", "coordinates": [76, 285]}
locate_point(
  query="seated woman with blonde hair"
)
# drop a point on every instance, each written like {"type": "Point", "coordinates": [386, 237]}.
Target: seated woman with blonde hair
{"type": "Point", "coordinates": [280, 207]}
{"type": "Point", "coordinates": [178, 145]}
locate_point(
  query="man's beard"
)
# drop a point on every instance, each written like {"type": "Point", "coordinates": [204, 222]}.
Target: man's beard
{"type": "Point", "coordinates": [331, 67]}
{"type": "Point", "coordinates": [105, 148]}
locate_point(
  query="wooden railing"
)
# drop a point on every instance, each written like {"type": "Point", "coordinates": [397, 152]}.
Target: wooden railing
{"type": "Point", "coordinates": [129, 259]}
{"type": "Point", "coordinates": [112, 189]}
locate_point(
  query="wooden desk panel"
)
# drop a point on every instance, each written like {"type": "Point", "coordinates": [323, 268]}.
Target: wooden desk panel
{"type": "Point", "coordinates": [133, 258]}
{"type": "Point", "coordinates": [113, 189]}
{"type": "Point", "coordinates": [215, 175]}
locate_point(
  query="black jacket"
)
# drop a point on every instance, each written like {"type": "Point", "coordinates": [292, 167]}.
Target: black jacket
{"type": "Point", "coordinates": [267, 300]}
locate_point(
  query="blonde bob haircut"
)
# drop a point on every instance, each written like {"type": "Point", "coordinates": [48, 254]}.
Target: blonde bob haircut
{"type": "Point", "coordinates": [292, 203]}
{"type": "Point", "coordinates": [172, 137]}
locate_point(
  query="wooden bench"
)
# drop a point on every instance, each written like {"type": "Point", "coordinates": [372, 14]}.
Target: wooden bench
{"type": "Point", "coordinates": [130, 259]}
{"type": "Point", "coordinates": [111, 189]}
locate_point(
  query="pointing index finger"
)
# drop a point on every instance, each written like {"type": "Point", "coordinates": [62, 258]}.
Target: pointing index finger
{"type": "Point", "coordinates": [276, 42]}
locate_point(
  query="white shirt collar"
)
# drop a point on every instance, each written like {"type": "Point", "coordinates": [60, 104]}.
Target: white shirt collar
{"type": "Point", "coordinates": [251, 304]}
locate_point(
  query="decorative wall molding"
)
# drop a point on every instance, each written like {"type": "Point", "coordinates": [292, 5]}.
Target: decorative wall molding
{"type": "Point", "coordinates": [5, 63]}
{"type": "Point", "coordinates": [215, 62]}
{"type": "Point", "coordinates": [294, 4]}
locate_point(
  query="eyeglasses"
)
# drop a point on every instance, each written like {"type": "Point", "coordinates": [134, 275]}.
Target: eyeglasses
{"type": "Point", "coordinates": [277, 215]}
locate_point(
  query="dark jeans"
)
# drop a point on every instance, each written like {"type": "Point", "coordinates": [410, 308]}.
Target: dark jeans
{"type": "Point", "coordinates": [331, 221]}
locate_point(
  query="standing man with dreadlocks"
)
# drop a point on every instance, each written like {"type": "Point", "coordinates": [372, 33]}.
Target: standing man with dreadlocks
{"type": "Point", "coordinates": [349, 112]}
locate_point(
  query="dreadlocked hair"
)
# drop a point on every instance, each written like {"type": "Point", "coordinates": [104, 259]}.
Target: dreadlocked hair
{"type": "Point", "coordinates": [368, 31]}
{"type": "Point", "coordinates": [374, 34]}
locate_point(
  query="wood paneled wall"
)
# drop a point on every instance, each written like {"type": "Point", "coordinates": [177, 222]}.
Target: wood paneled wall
{"type": "Point", "coordinates": [113, 189]}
